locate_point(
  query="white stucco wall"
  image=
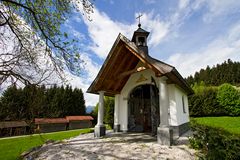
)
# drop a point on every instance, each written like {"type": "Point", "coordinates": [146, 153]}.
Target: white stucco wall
{"type": "Point", "coordinates": [178, 116]}
{"type": "Point", "coordinates": [173, 120]}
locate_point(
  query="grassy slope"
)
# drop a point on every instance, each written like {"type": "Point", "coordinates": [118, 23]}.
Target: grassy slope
{"type": "Point", "coordinates": [11, 148]}
{"type": "Point", "coordinates": [231, 124]}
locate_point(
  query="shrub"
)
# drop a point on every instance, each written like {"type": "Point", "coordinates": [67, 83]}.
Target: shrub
{"type": "Point", "coordinates": [204, 103]}
{"type": "Point", "coordinates": [215, 143]}
{"type": "Point", "coordinates": [229, 98]}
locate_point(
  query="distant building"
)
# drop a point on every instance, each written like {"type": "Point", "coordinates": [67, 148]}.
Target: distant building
{"type": "Point", "coordinates": [78, 122]}
{"type": "Point", "coordinates": [13, 128]}
{"type": "Point", "coordinates": [44, 125]}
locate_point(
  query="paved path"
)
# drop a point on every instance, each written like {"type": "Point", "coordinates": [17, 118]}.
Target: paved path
{"type": "Point", "coordinates": [113, 146]}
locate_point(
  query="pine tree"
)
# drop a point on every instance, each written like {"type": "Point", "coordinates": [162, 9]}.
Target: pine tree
{"type": "Point", "coordinates": [227, 72]}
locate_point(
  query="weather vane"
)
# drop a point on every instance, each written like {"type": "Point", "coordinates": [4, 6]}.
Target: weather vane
{"type": "Point", "coordinates": [138, 17]}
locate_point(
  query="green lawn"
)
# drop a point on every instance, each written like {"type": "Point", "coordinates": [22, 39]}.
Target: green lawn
{"type": "Point", "coordinates": [11, 148]}
{"type": "Point", "coordinates": [231, 124]}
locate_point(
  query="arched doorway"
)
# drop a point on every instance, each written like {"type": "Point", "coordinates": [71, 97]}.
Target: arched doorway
{"type": "Point", "coordinates": [143, 109]}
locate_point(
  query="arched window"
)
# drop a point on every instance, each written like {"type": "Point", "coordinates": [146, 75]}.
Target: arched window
{"type": "Point", "coordinates": [141, 41]}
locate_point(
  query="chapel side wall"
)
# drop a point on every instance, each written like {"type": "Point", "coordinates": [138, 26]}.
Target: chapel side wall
{"type": "Point", "coordinates": [182, 118]}
{"type": "Point", "coordinates": [123, 100]}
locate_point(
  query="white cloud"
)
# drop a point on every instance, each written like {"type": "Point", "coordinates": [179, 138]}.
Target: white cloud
{"type": "Point", "coordinates": [159, 29]}
{"type": "Point", "coordinates": [183, 4]}
{"type": "Point", "coordinates": [216, 8]}
{"type": "Point", "coordinates": [217, 51]}
{"type": "Point", "coordinates": [103, 30]}
{"type": "Point", "coordinates": [221, 7]}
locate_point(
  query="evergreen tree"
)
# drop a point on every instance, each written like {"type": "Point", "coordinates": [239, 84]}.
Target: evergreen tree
{"type": "Point", "coordinates": [32, 101]}
{"type": "Point", "coordinates": [227, 72]}
{"type": "Point", "coordinates": [11, 101]}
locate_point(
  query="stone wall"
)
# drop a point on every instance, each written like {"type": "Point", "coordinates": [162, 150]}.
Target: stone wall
{"type": "Point", "coordinates": [181, 129]}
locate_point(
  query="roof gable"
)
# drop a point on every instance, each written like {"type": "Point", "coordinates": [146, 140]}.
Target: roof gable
{"type": "Point", "coordinates": [121, 62]}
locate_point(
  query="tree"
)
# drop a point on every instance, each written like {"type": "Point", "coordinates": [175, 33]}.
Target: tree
{"type": "Point", "coordinates": [32, 44]}
{"type": "Point", "coordinates": [108, 111]}
{"type": "Point", "coordinates": [79, 107]}
{"type": "Point", "coordinates": [12, 104]}
{"type": "Point", "coordinates": [229, 98]}
{"type": "Point", "coordinates": [41, 102]}
{"type": "Point", "coordinates": [227, 72]}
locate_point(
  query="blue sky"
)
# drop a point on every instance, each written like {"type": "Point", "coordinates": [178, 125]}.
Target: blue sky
{"type": "Point", "coordinates": [188, 34]}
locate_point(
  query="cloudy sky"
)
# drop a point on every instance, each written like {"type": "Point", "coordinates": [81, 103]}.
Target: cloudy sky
{"type": "Point", "coordinates": [188, 34]}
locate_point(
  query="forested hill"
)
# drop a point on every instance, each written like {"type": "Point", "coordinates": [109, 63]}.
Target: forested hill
{"type": "Point", "coordinates": [227, 72]}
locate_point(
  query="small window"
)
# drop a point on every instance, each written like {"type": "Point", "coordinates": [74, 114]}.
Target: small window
{"type": "Point", "coordinates": [183, 104]}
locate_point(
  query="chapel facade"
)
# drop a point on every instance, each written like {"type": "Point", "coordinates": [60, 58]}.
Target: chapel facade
{"type": "Point", "coordinates": [150, 95]}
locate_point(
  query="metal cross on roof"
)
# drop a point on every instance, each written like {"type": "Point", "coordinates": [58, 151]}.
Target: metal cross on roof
{"type": "Point", "coordinates": [138, 17]}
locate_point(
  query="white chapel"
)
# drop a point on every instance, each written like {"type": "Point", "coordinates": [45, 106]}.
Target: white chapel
{"type": "Point", "coordinates": [150, 95]}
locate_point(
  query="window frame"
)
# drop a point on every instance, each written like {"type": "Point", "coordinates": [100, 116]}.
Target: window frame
{"type": "Point", "coordinates": [183, 104]}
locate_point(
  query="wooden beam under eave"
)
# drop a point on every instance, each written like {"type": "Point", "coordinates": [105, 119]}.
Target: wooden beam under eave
{"type": "Point", "coordinates": [125, 66]}
{"type": "Point", "coordinates": [124, 74]}
{"type": "Point", "coordinates": [143, 60]}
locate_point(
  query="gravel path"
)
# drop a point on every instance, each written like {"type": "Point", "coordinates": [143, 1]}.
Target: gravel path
{"type": "Point", "coordinates": [113, 146]}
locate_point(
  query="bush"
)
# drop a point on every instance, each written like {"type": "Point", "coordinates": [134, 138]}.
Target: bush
{"type": "Point", "coordinates": [214, 101]}
{"type": "Point", "coordinates": [229, 98]}
{"type": "Point", "coordinates": [215, 143]}
{"type": "Point", "coordinates": [204, 103]}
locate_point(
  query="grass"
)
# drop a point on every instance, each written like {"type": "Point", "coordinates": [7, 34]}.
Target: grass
{"type": "Point", "coordinates": [230, 124]}
{"type": "Point", "coordinates": [11, 148]}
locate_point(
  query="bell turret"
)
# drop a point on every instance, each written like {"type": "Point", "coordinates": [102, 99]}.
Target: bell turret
{"type": "Point", "coordinates": [140, 39]}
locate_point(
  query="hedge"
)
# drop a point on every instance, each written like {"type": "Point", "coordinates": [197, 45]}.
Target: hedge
{"type": "Point", "coordinates": [214, 101]}
{"type": "Point", "coordinates": [215, 143]}
{"type": "Point", "coordinates": [204, 103]}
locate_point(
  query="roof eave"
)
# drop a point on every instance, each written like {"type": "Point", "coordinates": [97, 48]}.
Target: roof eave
{"type": "Point", "coordinates": [90, 89]}
{"type": "Point", "coordinates": [184, 85]}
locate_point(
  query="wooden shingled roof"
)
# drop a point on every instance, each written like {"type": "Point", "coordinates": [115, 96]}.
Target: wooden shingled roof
{"type": "Point", "coordinates": [11, 124]}
{"type": "Point", "coordinates": [121, 62]}
{"type": "Point", "coordinates": [79, 118]}
{"type": "Point", "coordinates": [50, 120]}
